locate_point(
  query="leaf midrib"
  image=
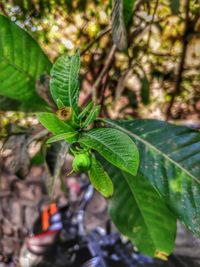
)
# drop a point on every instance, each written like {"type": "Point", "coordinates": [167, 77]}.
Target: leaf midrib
{"type": "Point", "coordinates": [91, 115]}
{"type": "Point", "coordinates": [70, 74]}
{"type": "Point", "coordinates": [62, 136]}
{"type": "Point", "coordinates": [152, 147]}
{"type": "Point", "coordinates": [101, 142]}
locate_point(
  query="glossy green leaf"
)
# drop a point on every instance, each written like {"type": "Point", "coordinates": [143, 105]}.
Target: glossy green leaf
{"type": "Point", "coordinates": [86, 110]}
{"type": "Point", "coordinates": [64, 136]}
{"type": "Point", "coordinates": [139, 212]}
{"type": "Point", "coordinates": [92, 116]}
{"type": "Point", "coordinates": [21, 63]}
{"type": "Point", "coordinates": [64, 84]}
{"type": "Point", "coordinates": [100, 179]}
{"type": "Point", "coordinates": [53, 124]}
{"type": "Point", "coordinates": [170, 160]}
{"type": "Point", "coordinates": [115, 146]}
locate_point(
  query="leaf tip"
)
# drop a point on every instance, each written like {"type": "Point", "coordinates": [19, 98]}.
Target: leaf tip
{"type": "Point", "coordinates": [108, 194]}
{"type": "Point", "coordinates": [161, 255]}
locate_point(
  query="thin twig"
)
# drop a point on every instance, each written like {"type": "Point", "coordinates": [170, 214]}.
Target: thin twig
{"type": "Point", "coordinates": [136, 32]}
{"type": "Point", "coordinates": [138, 4]}
{"type": "Point", "coordinates": [181, 66]}
{"type": "Point", "coordinates": [103, 72]}
{"type": "Point", "coordinates": [101, 101]}
{"type": "Point", "coordinates": [158, 54]}
{"type": "Point", "coordinates": [101, 34]}
{"type": "Point", "coordinates": [151, 23]}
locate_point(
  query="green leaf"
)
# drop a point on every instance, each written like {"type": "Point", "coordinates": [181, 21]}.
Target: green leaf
{"type": "Point", "coordinates": [60, 103]}
{"type": "Point", "coordinates": [100, 179]}
{"type": "Point", "coordinates": [145, 91]}
{"type": "Point", "coordinates": [21, 63]}
{"type": "Point", "coordinates": [53, 124]}
{"type": "Point", "coordinates": [64, 84]}
{"type": "Point", "coordinates": [139, 212]}
{"type": "Point", "coordinates": [86, 110]}
{"type": "Point", "coordinates": [64, 136]}
{"type": "Point", "coordinates": [128, 11]}
{"type": "Point", "coordinates": [92, 116]}
{"type": "Point", "coordinates": [119, 33]}
{"type": "Point", "coordinates": [174, 6]}
{"type": "Point", "coordinates": [115, 146]}
{"type": "Point", "coordinates": [170, 160]}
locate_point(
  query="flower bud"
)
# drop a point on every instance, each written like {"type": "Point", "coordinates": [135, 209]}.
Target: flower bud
{"type": "Point", "coordinates": [64, 114]}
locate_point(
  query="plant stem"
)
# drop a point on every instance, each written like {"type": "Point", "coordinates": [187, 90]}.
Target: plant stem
{"type": "Point", "coordinates": [101, 34]}
{"type": "Point", "coordinates": [152, 20]}
{"type": "Point", "coordinates": [106, 68]}
{"type": "Point", "coordinates": [181, 66]}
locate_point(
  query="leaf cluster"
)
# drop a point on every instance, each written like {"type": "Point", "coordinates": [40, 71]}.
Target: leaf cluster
{"type": "Point", "coordinates": [75, 128]}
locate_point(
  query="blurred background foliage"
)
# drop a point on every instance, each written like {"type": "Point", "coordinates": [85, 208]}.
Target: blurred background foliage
{"type": "Point", "coordinates": [156, 77]}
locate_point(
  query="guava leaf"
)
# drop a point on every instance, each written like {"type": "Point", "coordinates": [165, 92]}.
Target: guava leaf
{"type": "Point", "coordinates": [86, 110]}
{"type": "Point", "coordinates": [115, 146]}
{"type": "Point", "coordinates": [64, 83]}
{"type": "Point", "coordinates": [22, 62]}
{"type": "Point", "coordinates": [140, 213]}
{"type": "Point", "coordinates": [53, 124]}
{"type": "Point", "coordinates": [170, 160]}
{"type": "Point", "coordinates": [92, 116]}
{"type": "Point", "coordinates": [64, 136]}
{"type": "Point", "coordinates": [100, 179]}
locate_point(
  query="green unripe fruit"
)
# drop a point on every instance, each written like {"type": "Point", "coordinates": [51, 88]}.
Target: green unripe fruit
{"type": "Point", "coordinates": [81, 162]}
